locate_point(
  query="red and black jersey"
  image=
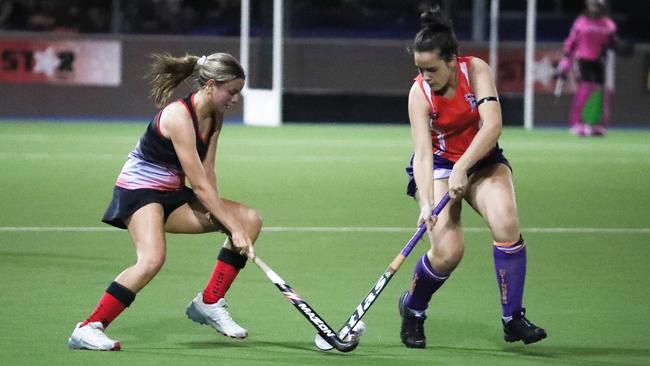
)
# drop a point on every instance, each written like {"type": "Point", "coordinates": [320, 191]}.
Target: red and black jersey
{"type": "Point", "coordinates": [156, 148]}
{"type": "Point", "coordinates": [154, 164]}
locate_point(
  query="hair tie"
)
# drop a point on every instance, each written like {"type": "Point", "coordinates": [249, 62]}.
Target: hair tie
{"type": "Point", "coordinates": [201, 60]}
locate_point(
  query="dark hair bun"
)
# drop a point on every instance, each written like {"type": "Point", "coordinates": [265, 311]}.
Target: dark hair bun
{"type": "Point", "coordinates": [433, 20]}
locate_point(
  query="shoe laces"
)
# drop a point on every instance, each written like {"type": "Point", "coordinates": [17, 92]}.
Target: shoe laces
{"type": "Point", "coordinates": [223, 313]}
{"type": "Point", "coordinates": [419, 327]}
{"type": "Point", "coordinates": [523, 323]}
{"type": "Point", "coordinates": [416, 324]}
{"type": "Point", "coordinates": [527, 322]}
{"type": "Point", "coordinates": [97, 331]}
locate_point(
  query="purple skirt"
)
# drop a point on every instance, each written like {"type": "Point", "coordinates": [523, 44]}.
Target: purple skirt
{"type": "Point", "coordinates": [443, 166]}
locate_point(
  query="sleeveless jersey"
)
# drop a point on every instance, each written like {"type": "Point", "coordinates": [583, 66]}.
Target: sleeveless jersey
{"type": "Point", "coordinates": [153, 164]}
{"type": "Point", "coordinates": [453, 122]}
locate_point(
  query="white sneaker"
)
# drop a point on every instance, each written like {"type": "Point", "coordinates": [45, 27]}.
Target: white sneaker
{"type": "Point", "coordinates": [91, 337]}
{"type": "Point", "coordinates": [215, 315]}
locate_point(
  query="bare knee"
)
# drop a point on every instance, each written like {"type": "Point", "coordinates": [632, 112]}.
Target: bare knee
{"type": "Point", "coordinates": [253, 222]}
{"type": "Point", "coordinates": [506, 228]}
{"type": "Point", "coordinates": [150, 265]}
{"type": "Point", "coordinates": [446, 259]}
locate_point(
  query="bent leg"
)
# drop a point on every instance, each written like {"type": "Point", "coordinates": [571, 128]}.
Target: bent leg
{"type": "Point", "coordinates": [210, 306]}
{"type": "Point", "coordinates": [193, 217]}
{"type": "Point", "coordinates": [145, 227]}
{"type": "Point", "coordinates": [148, 236]}
{"type": "Point", "coordinates": [492, 195]}
{"type": "Point", "coordinates": [435, 266]}
{"type": "Point", "coordinates": [431, 270]}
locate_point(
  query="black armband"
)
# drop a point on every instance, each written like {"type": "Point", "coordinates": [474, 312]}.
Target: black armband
{"type": "Point", "coordinates": [487, 99]}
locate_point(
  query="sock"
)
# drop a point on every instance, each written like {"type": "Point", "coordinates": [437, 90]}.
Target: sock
{"type": "Point", "coordinates": [115, 300]}
{"type": "Point", "coordinates": [426, 281]}
{"type": "Point", "coordinates": [510, 268]}
{"type": "Point", "coordinates": [225, 270]}
{"type": "Point", "coordinates": [583, 91]}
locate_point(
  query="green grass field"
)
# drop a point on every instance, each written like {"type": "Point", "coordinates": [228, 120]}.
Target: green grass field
{"type": "Point", "coordinates": [584, 210]}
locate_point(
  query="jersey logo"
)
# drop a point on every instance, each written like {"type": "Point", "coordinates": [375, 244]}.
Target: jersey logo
{"type": "Point", "coordinates": [470, 98]}
{"type": "Point", "coordinates": [433, 119]}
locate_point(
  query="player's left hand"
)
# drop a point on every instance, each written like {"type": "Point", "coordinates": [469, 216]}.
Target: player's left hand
{"type": "Point", "coordinates": [457, 183]}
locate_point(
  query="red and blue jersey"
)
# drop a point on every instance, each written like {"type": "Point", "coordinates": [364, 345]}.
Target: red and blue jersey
{"type": "Point", "coordinates": [453, 121]}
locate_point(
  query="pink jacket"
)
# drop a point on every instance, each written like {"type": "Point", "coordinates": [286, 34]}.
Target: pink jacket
{"type": "Point", "coordinates": [590, 37]}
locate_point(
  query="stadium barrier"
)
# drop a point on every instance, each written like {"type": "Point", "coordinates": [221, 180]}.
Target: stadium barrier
{"type": "Point", "coordinates": [71, 76]}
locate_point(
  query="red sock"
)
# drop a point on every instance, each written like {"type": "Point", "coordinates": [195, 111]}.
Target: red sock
{"type": "Point", "coordinates": [107, 309]}
{"type": "Point", "coordinates": [222, 277]}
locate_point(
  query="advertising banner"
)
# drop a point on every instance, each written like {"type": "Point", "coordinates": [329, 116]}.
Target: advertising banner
{"type": "Point", "coordinates": [73, 62]}
{"type": "Point", "coordinates": [512, 69]}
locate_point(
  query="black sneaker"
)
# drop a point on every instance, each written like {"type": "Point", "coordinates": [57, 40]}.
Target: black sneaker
{"type": "Point", "coordinates": [521, 329]}
{"type": "Point", "coordinates": [412, 332]}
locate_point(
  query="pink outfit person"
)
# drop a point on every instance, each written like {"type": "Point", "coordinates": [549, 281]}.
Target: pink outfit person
{"type": "Point", "coordinates": [591, 35]}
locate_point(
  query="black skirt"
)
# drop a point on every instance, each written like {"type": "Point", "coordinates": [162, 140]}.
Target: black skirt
{"type": "Point", "coordinates": [126, 201]}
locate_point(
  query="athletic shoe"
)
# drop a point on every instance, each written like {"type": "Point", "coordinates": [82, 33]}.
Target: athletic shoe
{"type": "Point", "coordinates": [216, 315]}
{"type": "Point", "coordinates": [521, 329]}
{"type": "Point", "coordinates": [412, 331]}
{"type": "Point", "coordinates": [587, 130]}
{"type": "Point", "coordinates": [91, 337]}
{"type": "Point", "coordinates": [577, 129]}
{"type": "Point", "coordinates": [599, 131]}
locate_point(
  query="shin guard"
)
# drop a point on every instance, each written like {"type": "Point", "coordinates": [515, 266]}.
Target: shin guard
{"type": "Point", "coordinates": [510, 268]}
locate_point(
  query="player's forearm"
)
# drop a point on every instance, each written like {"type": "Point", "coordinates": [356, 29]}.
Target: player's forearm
{"type": "Point", "coordinates": [208, 196]}
{"type": "Point", "coordinates": [211, 176]}
{"type": "Point", "coordinates": [423, 175]}
{"type": "Point", "coordinates": [484, 141]}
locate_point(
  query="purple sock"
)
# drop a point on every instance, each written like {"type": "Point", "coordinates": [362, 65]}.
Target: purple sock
{"type": "Point", "coordinates": [510, 267]}
{"type": "Point", "coordinates": [426, 281]}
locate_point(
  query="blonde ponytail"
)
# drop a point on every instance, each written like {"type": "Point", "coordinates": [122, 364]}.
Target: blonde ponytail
{"type": "Point", "coordinates": [167, 72]}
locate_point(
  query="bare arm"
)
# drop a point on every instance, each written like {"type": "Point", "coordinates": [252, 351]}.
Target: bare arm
{"type": "Point", "coordinates": [210, 159]}
{"type": "Point", "coordinates": [176, 124]}
{"type": "Point", "coordinates": [418, 108]}
{"type": "Point", "coordinates": [490, 113]}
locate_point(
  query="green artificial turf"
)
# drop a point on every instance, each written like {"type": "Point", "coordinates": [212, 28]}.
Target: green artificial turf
{"type": "Point", "coordinates": [335, 214]}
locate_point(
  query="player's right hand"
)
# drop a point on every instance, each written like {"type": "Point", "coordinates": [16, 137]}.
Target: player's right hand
{"type": "Point", "coordinates": [242, 243]}
{"type": "Point", "coordinates": [563, 68]}
{"type": "Point", "coordinates": [426, 217]}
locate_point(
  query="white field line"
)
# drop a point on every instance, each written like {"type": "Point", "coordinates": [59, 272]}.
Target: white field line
{"type": "Point", "coordinates": [342, 229]}
{"type": "Point", "coordinates": [91, 157]}
{"type": "Point", "coordinates": [222, 158]}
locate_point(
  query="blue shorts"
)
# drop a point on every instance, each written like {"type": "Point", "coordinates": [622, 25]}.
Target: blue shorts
{"type": "Point", "coordinates": [126, 201]}
{"type": "Point", "coordinates": [442, 167]}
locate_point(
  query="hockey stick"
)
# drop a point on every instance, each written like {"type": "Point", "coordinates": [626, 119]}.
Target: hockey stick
{"type": "Point", "coordinates": [559, 87]}
{"type": "Point", "coordinates": [324, 330]}
{"type": "Point", "coordinates": [381, 284]}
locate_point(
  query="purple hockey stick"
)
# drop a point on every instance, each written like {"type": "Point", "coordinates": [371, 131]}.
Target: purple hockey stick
{"type": "Point", "coordinates": [380, 285]}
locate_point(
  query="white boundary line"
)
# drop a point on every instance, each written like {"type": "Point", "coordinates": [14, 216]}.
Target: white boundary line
{"type": "Point", "coordinates": [341, 229]}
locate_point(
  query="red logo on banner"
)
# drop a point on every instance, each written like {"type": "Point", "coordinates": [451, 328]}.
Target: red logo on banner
{"type": "Point", "coordinates": [512, 68]}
